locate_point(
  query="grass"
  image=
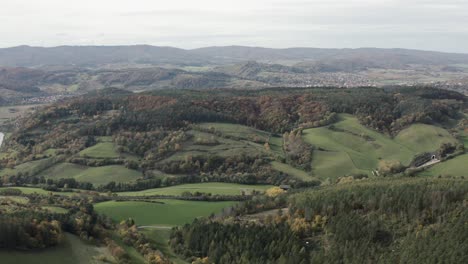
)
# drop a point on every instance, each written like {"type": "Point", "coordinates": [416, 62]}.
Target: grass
{"type": "Point", "coordinates": [453, 167]}
{"type": "Point", "coordinates": [55, 209]}
{"type": "Point", "coordinates": [160, 239]}
{"type": "Point", "coordinates": [424, 138]}
{"type": "Point", "coordinates": [332, 164]}
{"type": "Point", "coordinates": [353, 148]}
{"type": "Point", "coordinates": [26, 190]}
{"type": "Point", "coordinates": [237, 131]}
{"type": "Point", "coordinates": [29, 190]}
{"type": "Point", "coordinates": [213, 188]}
{"type": "Point", "coordinates": [103, 175]}
{"type": "Point", "coordinates": [72, 251]}
{"type": "Point", "coordinates": [224, 147]}
{"type": "Point", "coordinates": [30, 167]}
{"type": "Point", "coordinates": [135, 256]}
{"type": "Point", "coordinates": [63, 170]}
{"type": "Point", "coordinates": [16, 199]}
{"type": "Point", "coordinates": [104, 150]}
{"type": "Point", "coordinates": [245, 133]}
{"type": "Point", "coordinates": [10, 112]}
{"type": "Point", "coordinates": [171, 213]}
{"type": "Point", "coordinates": [95, 175]}
{"type": "Point", "coordinates": [290, 170]}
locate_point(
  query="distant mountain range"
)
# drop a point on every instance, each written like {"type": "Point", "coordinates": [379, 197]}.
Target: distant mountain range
{"type": "Point", "coordinates": [97, 56]}
{"type": "Point", "coordinates": [27, 73]}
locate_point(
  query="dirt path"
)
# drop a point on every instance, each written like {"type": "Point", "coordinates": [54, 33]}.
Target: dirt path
{"type": "Point", "coordinates": [155, 227]}
{"type": "Point", "coordinates": [432, 162]}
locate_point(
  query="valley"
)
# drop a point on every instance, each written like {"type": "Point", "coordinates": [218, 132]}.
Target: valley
{"type": "Point", "coordinates": [133, 177]}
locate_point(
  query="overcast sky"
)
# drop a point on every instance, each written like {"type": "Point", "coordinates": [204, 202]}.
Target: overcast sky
{"type": "Point", "coordinates": [419, 24]}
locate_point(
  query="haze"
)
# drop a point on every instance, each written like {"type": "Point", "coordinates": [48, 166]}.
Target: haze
{"type": "Point", "coordinates": [440, 25]}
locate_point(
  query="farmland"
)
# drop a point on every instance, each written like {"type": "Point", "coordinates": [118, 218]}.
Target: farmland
{"type": "Point", "coordinates": [348, 147]}
{"type": "Point", "coordinates": [165, 213]}
{"type": "Point", "coordinates": [11, 112]}
{"type": "Point", "coordinates": [297, 173]}
{"type": "Point", "coordinates": [101, 151]}
{"type": "Point", "coordinates": [95, 175]}
{"type": "Point", "coordinates": [73, 250]}
{"type": "Point", "coordinates": [454, 167]}
{"type": "Point", "coordinates": [213, 188]}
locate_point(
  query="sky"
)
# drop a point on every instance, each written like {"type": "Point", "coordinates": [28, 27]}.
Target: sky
{"type": "Point", "coordinates": [440, 25]}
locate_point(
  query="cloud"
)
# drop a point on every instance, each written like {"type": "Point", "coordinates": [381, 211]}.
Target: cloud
{"type": "Point", "coordinates": [429, 24]}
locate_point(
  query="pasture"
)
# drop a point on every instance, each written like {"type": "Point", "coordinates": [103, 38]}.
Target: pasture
{"type": "Point", "coordinates": [212, 187]}
{"type": "Point", "coordinates": [72, 251]}
{"type": "Point", "coordinates": [203, 143]}
{"type": "Point", "coordinates": [160, 239]}
{"type": "Point", "coordinates": [236, 131]}
{"type": "Point", "coordinates": [290, 170]}
{"type": "Point", "coordinates": [10, 112]}
{"type": "Point", "coordinates": [104, 150]}
{"type": "Point", "coordinates": [242, 132]}
{"type": "Point", "coordinates": [166, 213]}
{"type": "Point", "coordinates": [103, 175]}
{"type": "Point", "coordinates": [95, 175]}
{"type": "Point", "coordinates": [29, 190]}
{"type": "Point", "coordinates": [454, 167]}
{"type": "Point", "coordinates": [348, 147]}
{"type": "Point", "coordinates": [424, 138]}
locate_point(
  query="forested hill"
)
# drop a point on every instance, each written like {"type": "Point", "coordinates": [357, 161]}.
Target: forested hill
{"type": "Point", "coordinates": [192, 134]}
{"type": "Point", "coordinates": [93, 56]}
{"type": "Point", "coordinates": [274, 110]}
{"type": "Point", "coordinates": [354, 162]}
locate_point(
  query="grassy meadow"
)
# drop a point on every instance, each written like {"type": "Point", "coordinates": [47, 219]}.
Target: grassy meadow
{"type": "Point", "coordinates": [160, 238]}
{"type": "Point", "coordinates": [95, 175]}
{"type": "Point", "coordinates": [104, 150]}
{"type": "Point", "coordinates": [212, 187]}
{"type": "Point", "coordinates": [290, 170]}
{"type": "Point", "coordinates": [166, 213]}
{"type": "Point", "coordinates": [353, 148]}
{"type": "Point", "coordinates": [457, 167]}
{"type": "Point", "coordinates": [10, 112]}
{"type": "Point", "coordinates": [72, 251]}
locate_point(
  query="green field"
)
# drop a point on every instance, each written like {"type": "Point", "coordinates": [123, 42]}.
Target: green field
{"type": "Point", "coordinates": [55, 209]}
{"type": "Point", "coordinates": [245, 133]}
{"type": "Point", "coordinates": [171, 213]}
{"type": "Point", "coordinates": [103, 175]}
{"type": "Point", "coordinates": [290, 170]}
{"type": "Point", "coordinates": [222, 147]}
{"type": "Point", "coordinates": [28, 190]}
{"type": "Point", "coordinates": [72, 251]}
{"type": "Point", "coordinates": [353, 148]}
{"type": "Point", "coordinates": [104, 150]}
{"type": "Point", "coordinates": [95, 175]}
{"type": "Point", "coordinates": [212, 187]}
{"type": "Point", "coordinates": [457, 166]}
{"type": "Point", "coordinates": [160, 239]}
{"type": "Point", "coordinates": [236, 131]}
{"type": "Point", "coordinates": [424, 138]}
{"type": "Point", "coordinates": [63, 170]}
{"type": "Point", "coordinates": [30, 167]}
{"type": "Point", "coordinates": [16, 199]}
{"type": "Point", "coordinates": [9, 112]}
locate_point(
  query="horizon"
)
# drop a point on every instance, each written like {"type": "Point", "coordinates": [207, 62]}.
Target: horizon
{"type": "Point", "coordinates": [433, 25]}
{"type": "Point", "coordinates": [226, 46]}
